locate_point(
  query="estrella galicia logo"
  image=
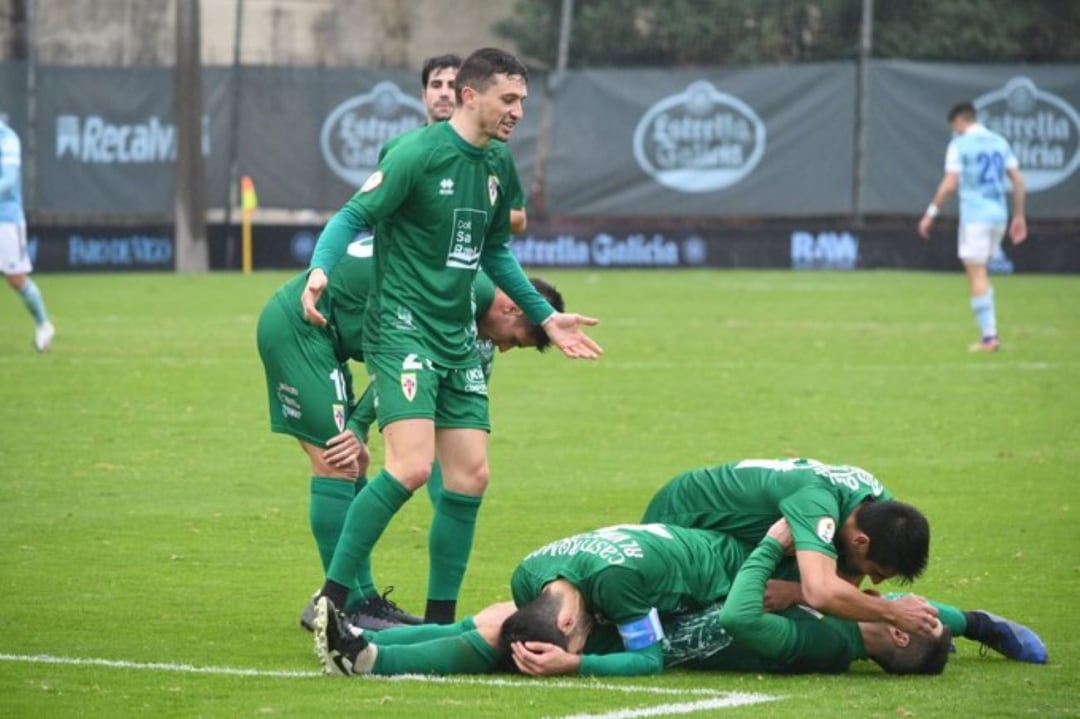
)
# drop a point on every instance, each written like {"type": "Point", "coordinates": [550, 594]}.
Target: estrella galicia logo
{"type": "Point", "coordinates": [699, 140]}
{"type": "Point", "coordinates": [354, 131]}
{"type": "Point", "coordinates": [1043, 129]}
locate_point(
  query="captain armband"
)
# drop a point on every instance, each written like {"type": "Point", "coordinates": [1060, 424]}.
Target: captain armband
{"type": "Point", "coordinates": [642, 633]}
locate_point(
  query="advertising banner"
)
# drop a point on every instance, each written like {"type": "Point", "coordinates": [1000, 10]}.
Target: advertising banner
{"type": "Point", "coordinates": [102, 249]}
{"type": "Point", "coordinates": [763, 141]}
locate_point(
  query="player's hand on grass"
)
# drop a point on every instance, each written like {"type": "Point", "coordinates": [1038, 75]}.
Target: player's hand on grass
{"type": "Point", "coordinates": [316, 283]}
{"type": "Point", "coordinates": [345, 450]}
{"type": "Point", "coordinates": [540, 659]}
{"type": "Point", "coordinates": [565, 331]}
{"type": "Point", "coordinates": [913, 614]}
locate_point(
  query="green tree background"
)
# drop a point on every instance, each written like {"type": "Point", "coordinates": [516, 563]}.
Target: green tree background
{"type": "Point", "coordinates": [622, 33]}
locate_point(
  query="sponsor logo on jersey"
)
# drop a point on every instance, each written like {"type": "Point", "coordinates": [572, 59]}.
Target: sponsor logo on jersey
{"type": "Point", "coordinates": [339, 416]}
{"type": "Point", "coordinates": [408, 385]}
{"type": "Point", "coordinates": [474, 381]}
{"type": "Point", "coordinates": [826, 529]}
{"type": "Point", "coordinates": [91, 139]}
{"type": "Point", "coordinates": [403, 320]}
{"type": "Point", "coordinates": [699, 140]}
{"type": "Point", "coordinates": [1043, 129]}
{"type": "Point", "coordinates": [355, 130]}
{"type": "Point", "coordinates": [467, 240]}
{"type": "Point", "coordinates": [446, 187]}
{"type": "Point", "coordinates": [493, 188]}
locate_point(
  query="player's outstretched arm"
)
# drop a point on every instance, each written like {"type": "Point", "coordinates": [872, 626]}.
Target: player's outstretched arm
{"type": "Point", "coordinates": [565, 331]}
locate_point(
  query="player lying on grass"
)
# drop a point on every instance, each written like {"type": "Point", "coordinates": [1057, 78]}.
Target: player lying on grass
{"type": "Point", "coordinates": [845, 523]}
{"type": "Point", "coordinates": [627, 575]}
{"type": "Point", "coordinates": [310, 393]}
{"type": "Point", "coordinates": [558, 633]}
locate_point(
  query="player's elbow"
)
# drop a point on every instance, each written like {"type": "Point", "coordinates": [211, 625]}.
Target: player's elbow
{"type": "Point", "coordinates": [818, 594]}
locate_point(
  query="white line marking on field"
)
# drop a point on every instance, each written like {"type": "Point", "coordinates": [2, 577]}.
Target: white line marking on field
{"type": "Point", "coordinates": [728, 699]}
{"type": "Point", "coordinates": [156, 666]}
{"type": "Point", "coordinates": [720, 702]}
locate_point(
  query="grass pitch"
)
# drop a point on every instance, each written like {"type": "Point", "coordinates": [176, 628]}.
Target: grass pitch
{"type": "Point", "coordinates": [154, 535]}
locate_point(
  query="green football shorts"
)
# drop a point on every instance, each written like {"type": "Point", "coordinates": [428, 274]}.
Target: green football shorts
{"type": "Point", "coordinates": [308, 388]}
{"type": "Point", "coordinates": [409, 386]}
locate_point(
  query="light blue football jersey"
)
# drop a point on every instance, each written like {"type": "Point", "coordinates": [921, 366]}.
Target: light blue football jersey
{"type": "Point", "coordinates": [981, 158]}
{"type": "Point", "coordinates": [11, 209]}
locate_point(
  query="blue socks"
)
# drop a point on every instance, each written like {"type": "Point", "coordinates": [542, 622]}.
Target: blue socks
{"type": "Point", "coordinates": [983, 309]}
{"type": "Point", "coordinates": [31, 297]}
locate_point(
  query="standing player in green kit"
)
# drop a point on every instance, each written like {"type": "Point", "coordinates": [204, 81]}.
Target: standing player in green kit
{"type": "Point", "coordinates": [439, 203]}
{"type": "Point", "coordinates": [310, 393]}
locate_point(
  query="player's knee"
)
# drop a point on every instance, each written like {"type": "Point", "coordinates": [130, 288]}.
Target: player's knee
{"type": "Point", "coordinates": [412, 474]}
{"type": "Point", "coordinates": [476, 480]}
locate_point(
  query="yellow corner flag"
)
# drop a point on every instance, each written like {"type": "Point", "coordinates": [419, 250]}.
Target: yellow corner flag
{"type": "Point", "coordinates": [248, 202]}
{"type": "Point", "coordinates": [248, 199]}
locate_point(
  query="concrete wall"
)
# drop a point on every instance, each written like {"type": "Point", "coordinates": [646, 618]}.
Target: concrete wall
{"type": "Point", "coordinates": [322, 33]}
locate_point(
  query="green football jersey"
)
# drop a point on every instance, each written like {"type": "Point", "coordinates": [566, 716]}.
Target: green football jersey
{"type": "Point", "coordinates": [436, 201]}
{"type": "Point", "coordinates": [483, 296]}
{"type": "Point", "coordinates": [743, 499]}
{"type": "Point", "coordinates": [498, 151]}
{"type": "Point", "coordinates": [626, 571]}
{"type": "Point", "coordinates": [350, 283]}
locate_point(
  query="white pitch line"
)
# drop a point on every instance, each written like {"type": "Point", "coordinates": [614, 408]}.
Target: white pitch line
{"type": "Point", "coordinates": [723, 702]}
{"type": "Point", "coordinates": [299, 674]}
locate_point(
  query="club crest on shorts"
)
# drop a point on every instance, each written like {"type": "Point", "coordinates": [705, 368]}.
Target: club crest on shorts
{"type": "Point", "coordinates": [493, 188]}
{"type": "Point", "coordinates": [339, 416]}
{"type": "Point", "coordinates": [408, 385]}
{"type": "Point", "coordinates": [826, 529]}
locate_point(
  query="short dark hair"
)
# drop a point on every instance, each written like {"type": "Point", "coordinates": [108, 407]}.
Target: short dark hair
{"type": "Point", "coordinates": [437, 63]}
{"type": "Point", "coordinates": [537, 621]}
{"type": "Point", "coordinates": [479, 69]}
{"type": "Point", "coordinates": [899, 536]}
{"type": "Point", "coordinates": [924, 654]}
{"type": "Point", "coordinates": [555, 299]}
{"type": "Point", "coordinates": [962, 109]}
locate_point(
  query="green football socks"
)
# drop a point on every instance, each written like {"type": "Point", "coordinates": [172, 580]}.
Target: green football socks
{"type": "Point", "coordinates": [368, 516]}
{"type": "Point", "coordinates": [449, 546]}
